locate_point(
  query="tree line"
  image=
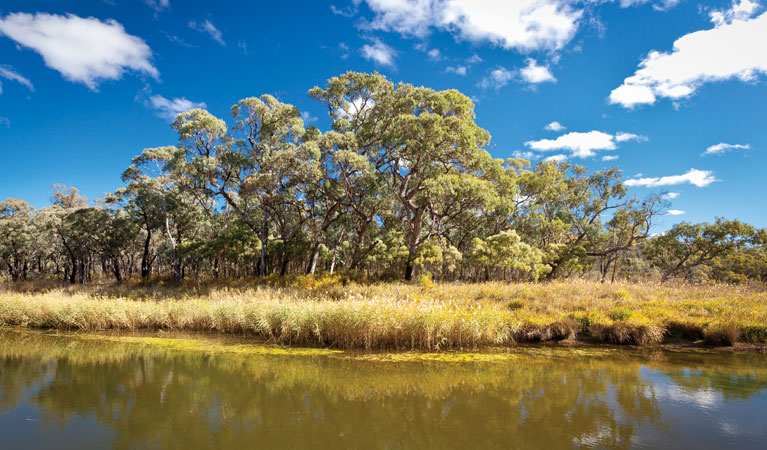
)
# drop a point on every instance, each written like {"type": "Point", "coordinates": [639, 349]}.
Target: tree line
{"type": "Point", "coordinates": [401, 186]}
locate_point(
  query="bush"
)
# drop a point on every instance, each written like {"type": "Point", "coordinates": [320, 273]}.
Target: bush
{"type": "Point", "coordinates": [621, 314]}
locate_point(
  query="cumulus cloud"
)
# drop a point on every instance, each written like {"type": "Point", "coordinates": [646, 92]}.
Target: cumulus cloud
{"type": "Point", "coordinates": [379, 53]}
{"type": "Point", "coordinates": [625, 137]}
{"type": "Point", "coordinates": [208, 28]}
{"type": "Point", "coordinates": [521, 24]}
{"type": "Point", "coordinates": [736, 48]}
{"type": "Point", "coordinates": [699, 178]}
{"type": "Point", "coordinates": [670, 195]}
{"type": "Point", "coordinates": [83, 50]}
{"type": "Point", "coordinates": [740, 10]}
{"type": "Point", "coordinates": [609, 157]}
{"type": "Point", "coordinates": [721, 148]}
{"type": "Point", "coordinates": [675, 212]}
{"type": "Point", "coordinates": [434, 54]}
{"type": "Point", "coordinates": [557, 158]}
{"type": "Point", "coordinates": [458, 70]}
{"type": "Point", "coordinates": [9, 73]}
{"type": "Point", "coordinates": [524, 155]}
{"type": "Point", "coordinates": [582, 145]}
{"type": "Point", "coordinates": [169, 108]}
{"type": "Point", "coordinates": [554, 126]}
{"type": "Point", "coordinates": [497, 78]}
{"type": "Point", "coordinates": [534, 74]}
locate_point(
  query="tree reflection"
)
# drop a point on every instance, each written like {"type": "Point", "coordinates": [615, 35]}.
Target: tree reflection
{"type": "Point", "coordinates": [157, 398]}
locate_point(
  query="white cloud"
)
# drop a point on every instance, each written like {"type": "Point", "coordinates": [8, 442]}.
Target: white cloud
{"type": "Point", "coordinates": [379, 53]}
{"type": "Point", "coordinates": [557, 158]}
{"type": "Point", "coordinates": [609, 157]}
{"type": "Point", "coordinates": [524, 155]}
{"type": "Point", "coordinates": [740, 10]}
{"type": "Point", "coordinates": [474, 59]}
{"type": "Point", "coordinates": [699, 178]}
{"type": "Point", "coordinates": [497, 78]}
{"type": "Point", "coordinates": [349, 11]}
{"type": "Point", "coordinates": [169, 108]}
{"type": "Point", "coordinates": [208, 28]}
{"type": "Point", "coordinates": [9, 73]}
{"type": "Point", "coordinates": [533, 73]}
{"type": "Point", "coordinates": [158, 5]}
{"type": "Point", "coordinates": [344, 49]}
{"type": "Point", "coordinates": [625, 137]}
{"type": "Point", "coordinates": [458, 70]}
{"type": "Point", "coordinates": [735, 48]}
{"type": "Point", "coordinates": [659, 5]}
{"type": "Point", "coordinates": [720, 148]}
{"type": "Point", "coordinates": [675, 212]}
{"type": "Point", "coordinates": [582, 145]}
{"type": "Point", "coordinates": [670, 195]}
{"type": "Point", "coordinates": [434, 54]}
{"type": "Point", "coordinates": [521, 24]}
{"type": "Point", "coordinates": [555, 126]}
{"type": "Point", "coordinates": [308, 117]}
{"type": "Point", "coordinates": [83, 50]}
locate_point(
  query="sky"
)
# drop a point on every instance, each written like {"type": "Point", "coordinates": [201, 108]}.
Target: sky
{"type": "Point", "coordinates": [672, 92]}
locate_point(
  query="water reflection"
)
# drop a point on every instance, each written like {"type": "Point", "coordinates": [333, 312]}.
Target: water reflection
{"type": "Point", "coordinates": [143, 396]}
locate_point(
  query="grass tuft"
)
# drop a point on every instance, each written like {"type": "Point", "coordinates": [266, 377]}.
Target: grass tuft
{"type": "Point", "coordinates": [342, 313]}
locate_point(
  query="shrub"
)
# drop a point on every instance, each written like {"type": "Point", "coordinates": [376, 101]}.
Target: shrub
{"type": "Point", "coordinates": [620, 314]}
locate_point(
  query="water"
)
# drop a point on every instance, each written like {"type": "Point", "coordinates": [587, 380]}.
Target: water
{"type": "Point", "coordinates": [93, 392]}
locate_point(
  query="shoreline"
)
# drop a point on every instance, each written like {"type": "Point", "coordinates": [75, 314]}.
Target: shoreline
{"type": "Point", "coordinates": [215, 343]}
{"type": "Point", "coordinates": [409, 317]}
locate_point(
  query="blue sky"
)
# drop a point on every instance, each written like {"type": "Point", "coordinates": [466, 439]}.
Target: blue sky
{"type": "Point", "coordinates": [673, 92]}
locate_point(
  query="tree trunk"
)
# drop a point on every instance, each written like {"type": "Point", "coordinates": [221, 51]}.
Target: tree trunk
{"type": "Point", "coordinates": [116, 270]}
{"type": "Point", "coordinates": [80, 271]}
{"type": "Point", "coordinates": [176, 264]}
{"type": "Point", "coordinates": [333, 261]}
{"type": "Point", "coordinates": [284, 268]}
{"type": "Point", "coordinates": [146, 264]}
{"type": "Point", "coordinates": [73, 275]}
{"type": "Point", "coordinates": [409, 269]}
{"type": "Point", "coordinates": [666, 274]}
{"type": "Point", "coordinates": [313, 260]}
{"type": "Point", "coordinates": [264, 242]}
{"type": "Point", "coordinates": [415, 230]}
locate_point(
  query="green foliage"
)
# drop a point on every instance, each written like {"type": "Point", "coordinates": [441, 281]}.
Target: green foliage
{"type": "Point", "coordinates": [401, 183]}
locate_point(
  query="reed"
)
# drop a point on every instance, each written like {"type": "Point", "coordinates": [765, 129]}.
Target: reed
{"type": "Point", "coordinates": [331, 311]}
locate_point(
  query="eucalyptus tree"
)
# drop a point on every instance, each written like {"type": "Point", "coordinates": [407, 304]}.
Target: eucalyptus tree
{"type": "Point", "coordinates": [414, 137]}
{"type": "Point", "coordinates": [112, 233]}
{"type": "Point", "coordinates": [352, 194]}
{"type": "Point", "coordinates": [629, 226]}
{"type": "Point", "coordinates": [155, 196]}
{"type": "Point", "coordinates": [17, 237]}
{"type": "Point", "coordinates": [687, 246]}
{"type": "Point", "coordinates": [258, 170]}
{"type": "Point", "coordinates": [71, 228]}
{"type": "Point", "coordinates": [564, 209]}
{"type": "Point", "coordinates": [506, 253]}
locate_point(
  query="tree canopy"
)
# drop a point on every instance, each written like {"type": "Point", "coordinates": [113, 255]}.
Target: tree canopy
{"type": "Point", "coordinates": [401, 184]}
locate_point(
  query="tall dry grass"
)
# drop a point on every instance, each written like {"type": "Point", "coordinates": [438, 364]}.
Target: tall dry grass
{"type": "Point", "coordinates": [331, 312]}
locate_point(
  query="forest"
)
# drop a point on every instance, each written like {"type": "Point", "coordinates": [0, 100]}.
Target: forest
{"type": "Point", "coordinates": [402, 187]}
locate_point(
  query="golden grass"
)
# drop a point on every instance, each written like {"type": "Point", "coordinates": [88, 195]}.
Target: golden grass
{"type": "Point", "coordinates": [330, 312]}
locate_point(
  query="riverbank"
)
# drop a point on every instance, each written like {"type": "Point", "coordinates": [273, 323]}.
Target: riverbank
{"type": "Point", "coordinates": [331, 313]}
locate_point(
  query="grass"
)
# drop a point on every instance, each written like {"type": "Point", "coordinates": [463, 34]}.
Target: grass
{"type": "Point", "coordinates": [331, 311]}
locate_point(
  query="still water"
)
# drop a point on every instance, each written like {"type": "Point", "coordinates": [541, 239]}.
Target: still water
{"type": "Point", "coordinates": [81, 392]}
